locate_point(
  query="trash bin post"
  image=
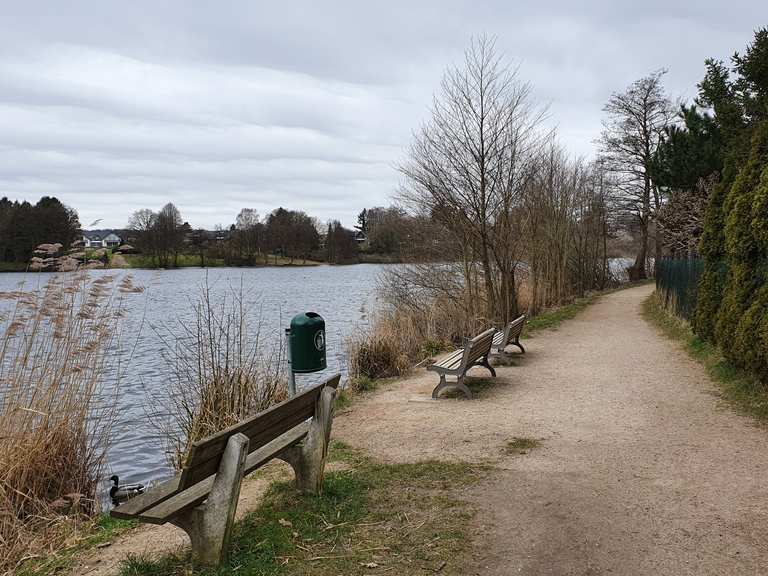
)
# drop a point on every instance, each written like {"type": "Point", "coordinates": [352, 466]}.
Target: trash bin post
{"type": "Point", "coordinates": [291, 375]}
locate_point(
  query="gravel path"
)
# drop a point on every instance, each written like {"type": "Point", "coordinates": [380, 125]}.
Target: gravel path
{"type": "Point", "coordinates": [641, 470]}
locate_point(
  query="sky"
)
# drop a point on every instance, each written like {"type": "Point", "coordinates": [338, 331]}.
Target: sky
{"type": "Point", "coordinates": [115, 106]}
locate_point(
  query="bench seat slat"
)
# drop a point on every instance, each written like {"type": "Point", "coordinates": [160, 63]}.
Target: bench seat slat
{"type": "Point", "coordinates": [197, 493]}
{"type": "Point", "coordinates": [450, 361]}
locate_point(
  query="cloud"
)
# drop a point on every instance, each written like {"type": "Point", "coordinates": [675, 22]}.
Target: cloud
{"type": "Point", "coordinates": [114, 106]}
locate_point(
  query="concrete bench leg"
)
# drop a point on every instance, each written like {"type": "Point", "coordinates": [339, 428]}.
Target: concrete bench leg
{"type": "Point", "coordinates": [209, 525]}
{"type": "Point", "coordinates": [445, 384]}
{"type": "Point", "coordinates": [308, 458]}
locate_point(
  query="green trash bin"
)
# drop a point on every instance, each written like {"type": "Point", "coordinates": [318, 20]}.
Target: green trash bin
{"type": "Point", "coordinates": [307, 343]}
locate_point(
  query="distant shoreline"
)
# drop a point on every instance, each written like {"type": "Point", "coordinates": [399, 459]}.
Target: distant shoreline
{"type": "Point", "coordinates": [10, 269]}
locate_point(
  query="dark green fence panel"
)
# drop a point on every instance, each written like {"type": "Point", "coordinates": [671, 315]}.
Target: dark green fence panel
{"type": "Point", "coordinates": [677, 282]}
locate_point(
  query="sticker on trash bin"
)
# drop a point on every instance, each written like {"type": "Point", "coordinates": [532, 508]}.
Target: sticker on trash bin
{"type": "Point", "coordinates": [320, 340]}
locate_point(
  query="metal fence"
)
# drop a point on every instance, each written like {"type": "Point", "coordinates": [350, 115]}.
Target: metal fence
{"type": "Point", "coordinates": [677, 282]}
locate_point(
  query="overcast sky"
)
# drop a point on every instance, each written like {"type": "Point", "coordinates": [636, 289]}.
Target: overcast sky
{"type": "Point", "coordinates": [215, 106]}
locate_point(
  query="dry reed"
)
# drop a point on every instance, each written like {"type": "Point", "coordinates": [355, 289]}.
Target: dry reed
{"type": "Point", "coordinates": [57, 344]}
{"type": "Point", "coordinates": [221, 369]}
{"type": "Point", "coordinates": [403, 335]}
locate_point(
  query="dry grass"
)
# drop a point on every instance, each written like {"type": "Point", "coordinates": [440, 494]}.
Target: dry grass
{"type": "Point", "coordinates": [57, 345]}
{"type": "Point", "coordinates": [428, 310]}
{"type": "Point", "coordinates": [405, 335]}
{"type": "Point", "coordinates": [221, 370]}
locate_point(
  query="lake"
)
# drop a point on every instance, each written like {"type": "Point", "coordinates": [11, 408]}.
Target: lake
{"type": "Point", "coordinates": [343, 295]}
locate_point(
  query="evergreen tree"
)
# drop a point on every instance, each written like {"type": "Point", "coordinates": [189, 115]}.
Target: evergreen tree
{"type": "Point", "coordinates": [733, 279]}
{"type": "Point", "coordinates": [688, 151]}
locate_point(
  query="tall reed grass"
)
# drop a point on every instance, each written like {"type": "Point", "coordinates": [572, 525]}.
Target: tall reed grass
{"type": "Point", "coordinates": [57, 344]}
{"type": "Point", "coordinates": [402, 335]}
{"type": "Point", "coordinates": [222, 369]}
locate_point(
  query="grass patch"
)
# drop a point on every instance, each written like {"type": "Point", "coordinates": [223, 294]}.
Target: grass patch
{"type": "Point", "coordinates": [742, 390]}
{"type": "Point", "coordinates": [102, 530]}
{"type": "Point", "coordinates": [432, 347]}
{"type": "Point", "coordinates": [343, 399]}
{"type": "Point", "coordinates": [521, 445]}
{"type": "Point", "coordinates": [399, 518]}
{"type": "Point", "coordinates": [363, 384]}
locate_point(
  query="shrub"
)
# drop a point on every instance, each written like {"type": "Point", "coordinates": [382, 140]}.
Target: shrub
{"type": "Point", "coordinates": [220, 369]}
{"type": "Point", "coordinates": [712, 248]}
{"type": "Point", "coordinates": [382, 351]}
{"type": "Point", "coordinates": [751, 338]}
{"type": "Point", "coordinates": [741, 247]}
{"type": "Point", "coordinates": [402, 336]}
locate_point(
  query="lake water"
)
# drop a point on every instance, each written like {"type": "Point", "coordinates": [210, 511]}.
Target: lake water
{"type": "Point", "coordinates": [343, 295]}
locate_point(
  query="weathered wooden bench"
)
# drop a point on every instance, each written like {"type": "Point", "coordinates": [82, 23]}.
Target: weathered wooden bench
{"type": "Point", "coordinates": [475, 353]}
{"type": "Point", "coordinates": [510, 335]}
{"type": "Point", "coordinates": [202, 499]}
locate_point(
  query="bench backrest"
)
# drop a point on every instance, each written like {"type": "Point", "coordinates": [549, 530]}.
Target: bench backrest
{"type": "Point", "coordinates": [514, 329]}
{"type": "Point", "coordinates": [477, 347]}
{"type": "Point", "coordinates": [205, 455]}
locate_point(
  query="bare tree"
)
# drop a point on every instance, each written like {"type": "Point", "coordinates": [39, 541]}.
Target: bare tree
{"type": "Point", "coordinates": [248, 235]}
{"type": "Point", "coordinates": [142, 225]}
{"type": "Point", "coordinates": [469, 163]}
{"type": "Point", "coordinates": [631, 134]}
{"type": "Point", "coordinates": [169, 231]}
{"type": "Point", "coordinates": [681, 219]}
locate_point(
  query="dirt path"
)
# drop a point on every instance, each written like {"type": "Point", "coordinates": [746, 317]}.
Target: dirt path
{"type": "Point", "coordinates": [640, 470]}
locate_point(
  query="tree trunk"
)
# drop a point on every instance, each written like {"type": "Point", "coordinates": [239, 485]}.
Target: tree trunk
{"type": "Point", "coordinates": [637, 272]}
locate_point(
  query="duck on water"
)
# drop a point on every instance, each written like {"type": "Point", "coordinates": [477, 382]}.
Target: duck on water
{"type": "Point", "coordinates": [120, 494]}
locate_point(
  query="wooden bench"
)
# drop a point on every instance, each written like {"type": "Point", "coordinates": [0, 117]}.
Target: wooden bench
{"type": "Point", "coordinates": [510, 335]}
{"type": "Point", "coordinates": [458, 363]}
{"type": "Point", "coordinates": [202, 499]}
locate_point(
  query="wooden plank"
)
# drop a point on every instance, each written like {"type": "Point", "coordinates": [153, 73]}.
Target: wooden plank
{"type": "Point", "coordinates": [152, 497]}
{"type": "Point", "coordinates": [203, 469]}
{"type": "Point", "coordinates": [480, 345]}
{"type": "Point", "coordinates": [196, 494]}
{"type": "Point", "coordinates": [450, 359]}
{"type": "Point", "coordinates": [216, 443]}
{"type": "Point", "coordinates": [181, 502]}
{"type": "Point", "coordinates": [263, 455]}
{"type": "Point", "coordinates": [517, 327]}
{"type": "Point", "coordinates": [205, 455]}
